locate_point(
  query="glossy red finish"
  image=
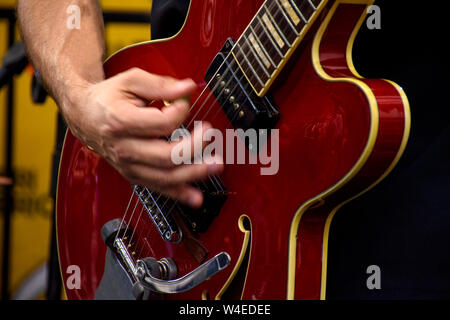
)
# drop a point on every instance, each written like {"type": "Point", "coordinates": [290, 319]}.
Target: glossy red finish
{"type": "Point", "coordinates": [323, 131]}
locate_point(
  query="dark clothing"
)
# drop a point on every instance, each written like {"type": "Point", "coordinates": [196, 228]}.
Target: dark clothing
{"type": "Point", "coordinates": [167, 17]}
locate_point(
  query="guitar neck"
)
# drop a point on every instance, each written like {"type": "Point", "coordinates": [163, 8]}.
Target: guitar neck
{"type": "Point", "coordinates": [271, 37]}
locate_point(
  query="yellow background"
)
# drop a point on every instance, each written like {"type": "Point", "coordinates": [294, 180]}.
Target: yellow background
{"type": "Point", "coordinates": [34, 131]}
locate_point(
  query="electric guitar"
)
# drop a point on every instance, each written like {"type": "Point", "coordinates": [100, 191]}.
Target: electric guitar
{"type": "Point", "coordinates": [262, 65]}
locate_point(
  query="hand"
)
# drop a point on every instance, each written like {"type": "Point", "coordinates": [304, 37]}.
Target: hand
{"type": "Point", "coordinates": [113, 117]}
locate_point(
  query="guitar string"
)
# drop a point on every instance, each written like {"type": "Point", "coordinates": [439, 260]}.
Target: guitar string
{"type": "Point", "coordinates": [126, 211]}
{"type": "Point", "coordinates": [232, 64]}
{"type": "Point", "coordinates": [134, 229]}
{"type": "Point", "coordinates": [217, 112]}
{"type": "Point", "coordinates": [134, 188]}
{"type": "Point", "coordinates": [207, 98]}
{"type": "Point", "coordinates": [229, 125]}
{"type": "Point", "coordinates": [218, 82]}
{"type": "Point", "coordinates": [161, 208]}
{"type": "Point", "coordinates": [271, 6]}
{"type": "Point", "coordinates": [131, 218]}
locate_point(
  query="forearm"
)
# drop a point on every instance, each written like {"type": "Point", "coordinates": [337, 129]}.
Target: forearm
{"type": "Point", "coordinates": [67, 60]}
{"type": "Point", "coordinates": [111, 116]}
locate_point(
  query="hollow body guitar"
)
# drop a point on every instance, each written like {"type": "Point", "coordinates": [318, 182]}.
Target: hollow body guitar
{"type": "Point", "coordinates": [271, 64]}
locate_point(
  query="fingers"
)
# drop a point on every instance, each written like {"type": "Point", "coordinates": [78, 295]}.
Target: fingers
{"type": "Point", "coordinates": [154, 87]}
{"type": "Point", "coordinates": [191, 146]}
{"type": "Point", "coordinates": [185, 194]}
{"type": "Point", "coordinates": [165, 178]}
{"type": "Point", "coordinates": [174, 182]}
{"type": "Point", "coordinates": [133, 130]}
{"type": "Point", "coordinates": [152, 122]}
{"type": "Point", "coordinates": [159, 152]}
{"type": "Point", "coordinates": [136, 120]}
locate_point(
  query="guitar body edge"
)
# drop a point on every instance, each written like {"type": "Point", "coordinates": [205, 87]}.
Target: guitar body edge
{"type": "Point", "coordinates": [341, 139]}
{"type": "Point", "coordinates": [313, 219]}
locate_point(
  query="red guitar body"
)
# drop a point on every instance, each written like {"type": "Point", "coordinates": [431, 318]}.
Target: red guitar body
{"type": "Point", "coordinates": [340, 134]}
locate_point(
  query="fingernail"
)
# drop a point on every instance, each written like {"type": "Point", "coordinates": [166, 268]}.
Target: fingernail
{"type": "Point", "coordinates": [185, 83]}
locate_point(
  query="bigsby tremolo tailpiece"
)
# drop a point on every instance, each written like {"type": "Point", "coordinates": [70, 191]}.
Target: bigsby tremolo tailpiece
{"type": "Point", "coordinates": [160, 276]}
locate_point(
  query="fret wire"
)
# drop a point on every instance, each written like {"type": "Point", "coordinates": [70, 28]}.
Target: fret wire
{"type": "Point", "coordinates": [316, 3]}
{"type": "Point", "coordinates": [268, 44]}
{"type": "Point", "coordinates": [277, 27]}
{"type": "Point", "coordinates": [257, 57]}
{"type": "Point", "coordinates": [273, 32]}
{"type": "Point", "coordinates": [298, 10]}
{"type": "Point", "coordinates": [284, 26]}
{"type": "Point", "coordinates": [305, 4]}
{"type": "Point", "coordinates": [251, 67]}
{"type": "Point", "coordinates": [251, 58]}
{"type": "Point", "coordinates": [295, 18]}
{"type": "Point", "coordinates": [312, 4]}
{"type": "Point", "coordinates": [262, 47]}
{"type": "Point", "coordinates": [270, 37]}
{"type": "Point", "coordinates": [287, 18]}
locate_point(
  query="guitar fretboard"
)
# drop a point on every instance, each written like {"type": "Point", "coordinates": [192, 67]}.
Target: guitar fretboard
{"type": "Point", "coordinates": [270, 37]}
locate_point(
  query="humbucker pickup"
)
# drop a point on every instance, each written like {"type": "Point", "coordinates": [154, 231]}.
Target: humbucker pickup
{"type": "Point", "coordinates": [243, 107]}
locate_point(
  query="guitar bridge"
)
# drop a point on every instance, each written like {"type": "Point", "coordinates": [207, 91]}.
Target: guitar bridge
{"type": "Point", "coordinates": [161, 209]}
{"type": "Point", "coordinates": [163, 222]}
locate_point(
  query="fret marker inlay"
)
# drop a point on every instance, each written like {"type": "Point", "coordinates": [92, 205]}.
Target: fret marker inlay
{"type": "Point", "coordinates": [258, 50]}
{"type": "Point", "coordinates": [273, 31]}
{"type": "Point", "coordinates": [290, 11]}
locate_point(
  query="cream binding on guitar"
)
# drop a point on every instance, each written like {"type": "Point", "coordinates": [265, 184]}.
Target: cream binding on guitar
{"type": "Point", "coordinates": [275, 64]}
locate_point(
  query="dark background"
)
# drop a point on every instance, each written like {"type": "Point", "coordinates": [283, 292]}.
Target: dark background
{"type": "Point", "coordinates": [403, 224]}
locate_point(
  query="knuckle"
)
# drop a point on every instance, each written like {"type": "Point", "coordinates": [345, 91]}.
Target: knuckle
{"type": "Point", "coordinates": [165, 180]}
{"type": "Point", "coordinates": [127, 76]}
{"type": "Point", "coordinates": [166, 160]}
{"type": "Point", "coordinates": [123, 155]}
{"type": "Point", "coordinates": [129, 173]}
{"type": "Point", "coordinates": [165, 127]}
{"type": "Point", "coordinates": [134, 71]}
{"type": "Point", "coordinates": [171, 126]}
{"type": "Point", "coordinates": [161, 82]}
{"type": "Point", "coordinates": [106, 130]}
{"type": "Point", "coordinates": [113, 125]}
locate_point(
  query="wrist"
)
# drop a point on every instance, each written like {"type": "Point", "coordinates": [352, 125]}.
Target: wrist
{"type": "Point", "coordinates": [72, 103]}
{"type": "Point", "coordinates": [76, 87]}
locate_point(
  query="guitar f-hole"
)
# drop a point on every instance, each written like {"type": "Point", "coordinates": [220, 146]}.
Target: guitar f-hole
{"type": "Point", "coordinates": [234, 287]}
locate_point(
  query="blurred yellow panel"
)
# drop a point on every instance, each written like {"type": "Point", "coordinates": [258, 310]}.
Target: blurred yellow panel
{"type": "Point", "coordinates": [3, 46]}
{"type": "Point", "coordinates": [129, 5]}
{"type": "Point", "coordinates": [35, 133]}
{"type": "Point", "coordinates": [7, 3]}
